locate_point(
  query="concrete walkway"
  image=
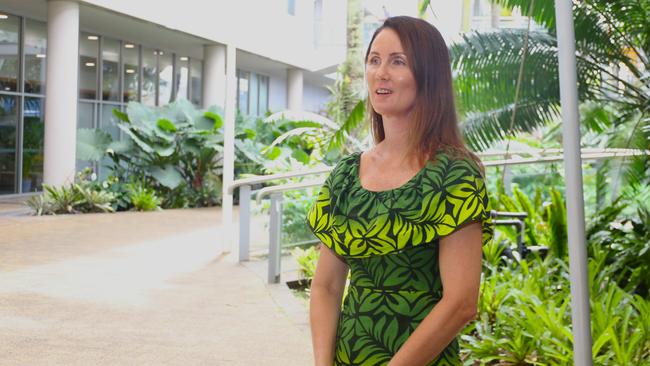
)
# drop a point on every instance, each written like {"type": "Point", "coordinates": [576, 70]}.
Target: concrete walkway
{"type": "Point", "coordinates": [140, 289]}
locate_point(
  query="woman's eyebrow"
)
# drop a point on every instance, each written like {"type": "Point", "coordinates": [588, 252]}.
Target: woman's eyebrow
{"type": "Point", "coordinates": [390, 54]}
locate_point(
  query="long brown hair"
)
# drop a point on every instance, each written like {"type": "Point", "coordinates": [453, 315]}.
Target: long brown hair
{"type": "Point", "coordinates": [435, 123]}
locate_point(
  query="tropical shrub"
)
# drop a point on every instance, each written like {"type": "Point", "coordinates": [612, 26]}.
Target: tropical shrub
{"type": "Point", "coordinates": [307, 259]}
{"type": "Point", "coordinates": [624, 242]}
{"type": "Point", "coordinates": [143, 198]}
{"type": "Point", "coordinates": [545, 225]}
{"type": "Point", "coordinates": [524, 318]}
{"type": "Point", "coordinates": [176, 150]}
{"type": "Point", "coordinates": [294, 210]}
{"type": "Point", "coordinates": [82, 196]}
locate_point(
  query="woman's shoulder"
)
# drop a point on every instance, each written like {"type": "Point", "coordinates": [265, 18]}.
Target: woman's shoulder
{"type": "Point", "coordinates": [459, 161]}
{"type": "Point", "coordinates": [346, 163]}
{"type": "Point", "coordinates": [343, 170]}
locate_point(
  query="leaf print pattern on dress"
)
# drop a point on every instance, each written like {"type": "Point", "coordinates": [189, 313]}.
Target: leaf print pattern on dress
{"type": "Point", "coordinates": [389, 239]}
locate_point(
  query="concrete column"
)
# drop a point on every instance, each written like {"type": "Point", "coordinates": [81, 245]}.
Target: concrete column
{"type": "Point", "coordinates": [61, 93]}
{"type": "Point", "coordinates": [495, 15]}
{"type": "Point", "coordinates": [294, 89]}
{"type": "Point", "coordinates": [214, 75]}
{"type": "Point", "coordinates": [229, 153]}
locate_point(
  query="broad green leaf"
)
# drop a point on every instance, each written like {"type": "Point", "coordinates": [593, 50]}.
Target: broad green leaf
{"type": "Point", "coordinates": [142, 144]}
{"type": "Point", "coordinates": [164, 151]}
{"type": "Point", "coordinates": [301, 156]}
{"type": "Point", "coordinates": [168, 176]}
{"type": "Point", "coordinates": [92, 144]}
{"type": "Point", "coordinates": [120, 147]}
{"type": "Point", "coordinates": [121, 115]}
{"type": "Point", "coordinates": [166, 125]}
{"type": "Point", "coordinates": [218, 121]}
{"type": "Point", "coordinates": [273, 153]}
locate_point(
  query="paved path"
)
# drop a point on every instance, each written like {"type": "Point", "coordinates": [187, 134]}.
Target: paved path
{"type": "Point", "coordinates": [139, 289]}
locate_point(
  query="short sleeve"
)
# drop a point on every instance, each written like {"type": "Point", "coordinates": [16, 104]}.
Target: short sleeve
{"type": "Point", "coordinates": [467, 199]}
{"type": "Point", "coordinates": [319, 216]}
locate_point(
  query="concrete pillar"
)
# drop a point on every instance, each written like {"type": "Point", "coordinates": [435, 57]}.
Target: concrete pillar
{"type": "Point", "coordinates": [61, 93]}
{"type": "Point", "coordinates": [495, 15]}
{"type": "Point", "coordinates": [229, 153]}
{"type": "Point", "coordinates": [294, 89]}
{"type": "Point", "coordinates": [214, 75]}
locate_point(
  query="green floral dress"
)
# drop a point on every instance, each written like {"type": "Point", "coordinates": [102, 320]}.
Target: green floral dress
{"type": "Point", "coordinates": [389, 239]}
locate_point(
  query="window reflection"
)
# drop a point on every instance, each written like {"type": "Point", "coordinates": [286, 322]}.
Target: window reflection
{"type": "Point", "coordinates": [109, 124]}
{"type": "Point", "coordinates": [263, 102]}
{"type": "Point", "coordinates": [130, 70]}
{"type": "Point", "coordinates": [85, 119]}
{"type": "Point", "coordinates": [35, 52]}
{"type": "Point", "coordinates": [252, 93]}
{"type": "Point", "coordinates": [196, 73]}
{"type": "Point", "coordinates": [8, 119]}
{"type": "Point", "coordinates": [110, 69]}
{"type": "Point", "coordinates": [33, 133]}
{"type": "Point", "coordinates": [165, 77]}
{"type": "Point", "coordinates": [182, 74]}
{"type": "Point", "coordinates": [88, 50]}
{"type": "Point", "coordinates": [149, 73]}
{"type": "Point", "coordinates": [9, 38]}
{"type": "Point", "coordinates": [242, 91]}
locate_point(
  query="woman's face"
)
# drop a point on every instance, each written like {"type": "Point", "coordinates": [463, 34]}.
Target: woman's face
{"type": "Point", "coordinates": [391, 84]}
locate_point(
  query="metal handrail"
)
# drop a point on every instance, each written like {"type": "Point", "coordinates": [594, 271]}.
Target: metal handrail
{"type": "Point", "coordinates": [258, 179]}
{"type": "Point", "coordinates": [267, 191]}
{"type": "Point", "coordinates": [275, 192]}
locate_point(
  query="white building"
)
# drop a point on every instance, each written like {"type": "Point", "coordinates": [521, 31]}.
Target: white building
{"type": "Point", "coordinates": [65, 64]}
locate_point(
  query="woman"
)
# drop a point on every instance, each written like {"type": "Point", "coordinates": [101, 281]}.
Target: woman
{"type": "Point", "coordinates": [407, 218]}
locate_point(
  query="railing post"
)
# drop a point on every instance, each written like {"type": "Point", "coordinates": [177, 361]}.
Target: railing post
{"type": "Point", "coordinates": [244, 222]}
{"type": "Point", "coordinates": [275, 234]}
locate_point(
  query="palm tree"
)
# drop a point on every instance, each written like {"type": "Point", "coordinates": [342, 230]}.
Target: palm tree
{"type": "Point", "coordinates": [612, 43]}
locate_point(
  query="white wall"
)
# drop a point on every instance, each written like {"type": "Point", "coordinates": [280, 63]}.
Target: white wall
{"type": "Point", "coordinates": [314, 98]}
{"type": "Point", "coordinates": [277, 93]}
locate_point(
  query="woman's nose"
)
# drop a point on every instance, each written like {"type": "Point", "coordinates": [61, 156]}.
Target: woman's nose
{"type": "Point", "coordinates": [382, 72]}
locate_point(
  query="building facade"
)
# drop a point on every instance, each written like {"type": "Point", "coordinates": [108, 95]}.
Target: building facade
{"type": "Point", "coordinates": [66, 64]}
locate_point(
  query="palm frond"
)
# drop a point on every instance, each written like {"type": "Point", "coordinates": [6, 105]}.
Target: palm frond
{"type": "Point", "coordinates": [483, 128]}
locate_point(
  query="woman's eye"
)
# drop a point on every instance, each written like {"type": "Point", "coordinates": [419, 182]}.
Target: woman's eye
{"type": "Point", "coordinates": [374, 61]}
{"type": "Point", "coordinates": [399, 61]}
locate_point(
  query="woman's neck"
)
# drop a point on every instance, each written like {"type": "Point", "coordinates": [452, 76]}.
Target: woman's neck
{"type": "Point", "coordinates": [396, 146]}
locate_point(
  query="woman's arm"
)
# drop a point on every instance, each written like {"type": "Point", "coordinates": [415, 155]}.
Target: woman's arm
{"type": "Point", "coordinates": [325, 304]}
{"type": "Point", "coordinates": [460, 270]}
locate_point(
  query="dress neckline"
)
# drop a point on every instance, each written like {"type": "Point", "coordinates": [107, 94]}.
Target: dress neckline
{"type": "Point", "coordinates": [357, 177]}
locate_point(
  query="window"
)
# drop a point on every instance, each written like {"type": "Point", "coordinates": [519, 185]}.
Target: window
{"type": "Point", "coordinates": [8, 129]}
{"type": "Point", "coordinates": [33, 136]}
{"type": "Point", "coordinates": [165, 77]}
{"type": "Point", "coordinates": [196, 77]}
{"type": "Point", "coordinates": [149, 73]}
{"type": "Point", "coordinates": [35, 53]}
{"type": "Point", "coordinates": [242, 91]}
{"type": "Point", "coordinates": [9, 41]}
{"type": "Point", "coordinates": [181, 80]}
{"type": "Point", "coordinates": [252, 93]}
{"type": "Point", "coordinates": [110, 69]}
{"type": "Point", "coordinates": [263, 100]}
{"type": "Point", "coordinates": [22, 103]}
{"type": "Point", "coordinates": [85, 119]}
{"type": "Point", "coordinates": [88, 52]}
{"type": "Point", "coordinates": [291, 7]}
{"type": "Point", "coordinates": [130, 70]}
{"type": "Point", "coordinates": [108, 124]}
